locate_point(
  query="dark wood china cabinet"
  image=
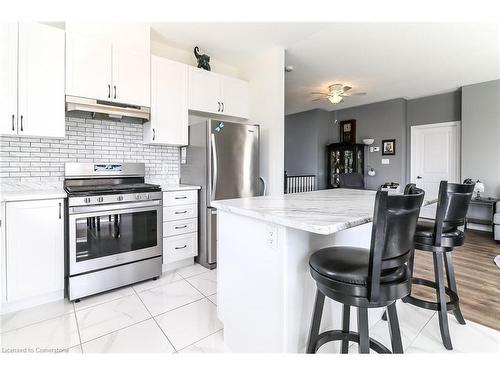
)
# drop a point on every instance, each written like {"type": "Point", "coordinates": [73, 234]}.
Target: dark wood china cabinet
{"type": "Point", "coordinates": [344, 158]}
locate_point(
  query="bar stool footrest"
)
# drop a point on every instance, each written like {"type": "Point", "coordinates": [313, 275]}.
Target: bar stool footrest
{"type": "Point", "coordinates": [450, 306]}
{"type": "Point", "coordinates": [338, 335]}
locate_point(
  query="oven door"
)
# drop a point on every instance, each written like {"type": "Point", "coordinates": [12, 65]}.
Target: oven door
{"type": "Point", "coordinates": [109, 235]}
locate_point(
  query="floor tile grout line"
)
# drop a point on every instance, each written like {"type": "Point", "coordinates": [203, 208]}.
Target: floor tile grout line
{"type": "Point", "coordinates": [115, 330]}
{"type": "Point", "coordinates": [178, 307]}
{"type": "Point", "coordinates": [102, 303]}
{"type": "Point", "coordinates": [203, 338]}
{"type": "Point", "coordinates": [38, 322]}
{"type": "Point", "coordinates": [420, 332]}
{"type": "Point", "coordinates": [197, 288]}
{"type": "Point", "coordinates": [154, 320]}
{"type": "Point", "coordinates": [78, 328]}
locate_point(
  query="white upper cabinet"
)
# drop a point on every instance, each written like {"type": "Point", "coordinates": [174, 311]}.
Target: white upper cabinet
{"type": "Point", "coordinates": [203, 91]}
{"type": "Point", "coordinates": [110, 62]}
{"type": "Point", "coordinates": [234, 96]}
{"type": "Point", "coordinates": [33, 99]}
{"type": "Point", "coordinates": [129, 71]}
{"type": "Point", "coordinates": [169, 103]}
{"type": "Point", "coordinates": [88, 67]}
{"type": "Point", "coordinates": [34, 262]}
{"type": "Point", "coordinates": [215, 93]}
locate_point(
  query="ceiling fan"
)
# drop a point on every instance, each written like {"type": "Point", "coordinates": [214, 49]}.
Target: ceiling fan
{"type": "Point", "coordinates": [336, 93]}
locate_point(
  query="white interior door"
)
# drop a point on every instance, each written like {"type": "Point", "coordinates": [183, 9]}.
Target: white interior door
{"type": "Point", "coordinates": [435, 156]}
{"type": "Point", "coordinates": [41, 80]}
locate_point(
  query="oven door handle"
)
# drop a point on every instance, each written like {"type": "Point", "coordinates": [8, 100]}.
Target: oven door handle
{"type": "Point", "coordinates": [114, 207]}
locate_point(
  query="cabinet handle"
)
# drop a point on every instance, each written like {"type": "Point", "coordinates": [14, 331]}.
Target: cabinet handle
{"type": "Point", "coordinates": [22, 123]}
{"type": "Point", "coordinates": [222, 106]}
{"type": "Point", "coordinates": [180, 212]}
{"type": "Point", "coordinates": [13, 123]}
{"type": "Point", "coordinates": [60, 209]}
{"type": "Point", "coordinates": [180, 247]}
{"type": "Point", "coordinates": [109, 91]}
{"type": "Point", "coordinates": [154, 134]}
{"type": "Point", "coordinates": [218, 104]}
{"type": "Point", "coordinates": [181, 227]}
{"type": "Point", "coordinates": [180, 197]}
{"type": "Point", "coordinates": [114, 96]}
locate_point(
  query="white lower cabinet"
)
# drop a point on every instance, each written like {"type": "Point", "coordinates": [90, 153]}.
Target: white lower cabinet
{"type": "Point", "coordinates": [180, 225]}
{"type": "Point", "coordinates": [33, 255]}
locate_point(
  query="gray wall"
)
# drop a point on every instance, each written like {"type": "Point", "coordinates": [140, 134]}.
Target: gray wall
{"type": "Point", "coordinates": [434, 109]}
{"type": "Point", "coordinates": [481, 134]}
{"type": "Point", "coordinates": [306, 135]}
{"type": "Point", "coordinates": [383, 120]}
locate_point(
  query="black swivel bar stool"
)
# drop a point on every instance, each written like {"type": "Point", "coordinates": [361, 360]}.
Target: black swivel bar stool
{"type": "Point", "coordinates": [364, 278]}
{"type": "Point", "coordinates": [440, 236]}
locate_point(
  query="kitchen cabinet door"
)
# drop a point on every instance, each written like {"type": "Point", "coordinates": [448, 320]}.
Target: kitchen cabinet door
{"type": "Point", "coordinates": [234, 96]}
{"type": "Point", "coordinates": [41, 81]}
{"type": "Point", "coordinates": [88, 66]}
{"type": "Point", "coordinates": [169, 108]}
{"type": "Point", "coordinates": [34, 235]}
{"type": "Point", "coordinates": [8, 77]}
{"type": "Point", "coordinates": [204, 91]}
{"type": "Point", "coordinates": [131, 77]}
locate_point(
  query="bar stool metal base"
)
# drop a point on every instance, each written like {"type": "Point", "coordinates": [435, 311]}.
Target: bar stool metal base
{"type": "Point", "coordinates": [338, 335]}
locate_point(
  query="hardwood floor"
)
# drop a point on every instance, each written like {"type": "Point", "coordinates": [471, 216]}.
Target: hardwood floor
{"type": "Point", "coordinates": [478, 278]}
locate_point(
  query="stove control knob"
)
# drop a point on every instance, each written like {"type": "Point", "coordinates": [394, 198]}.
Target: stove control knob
{"type": "Point", "coordinates": [100, 199]}
{"type": "Point", "coordinates": [86, 200]}
{"type": "Point", "coordinates": [146, 196]}
{"type": "Point", "coordinates": [119, 198]}
{"type": "Point", "coordinates": [138, 197]}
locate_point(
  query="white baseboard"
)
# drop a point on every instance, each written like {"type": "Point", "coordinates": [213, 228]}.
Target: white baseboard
{"type": "Point", "coordinates": [26, 303]}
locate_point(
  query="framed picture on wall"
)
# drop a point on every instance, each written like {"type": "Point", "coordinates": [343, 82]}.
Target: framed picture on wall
{"type": "Point", "coordinates": [389, 147]}
{"type": "Point", "coordinates": [348, 131]}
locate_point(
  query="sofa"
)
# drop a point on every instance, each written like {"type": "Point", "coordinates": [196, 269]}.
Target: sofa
{"type": "Point", "coordinates": [496, 222]}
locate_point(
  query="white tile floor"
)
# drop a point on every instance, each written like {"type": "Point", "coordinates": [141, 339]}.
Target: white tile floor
{"type": "Point", "coordinates": [177, 314]}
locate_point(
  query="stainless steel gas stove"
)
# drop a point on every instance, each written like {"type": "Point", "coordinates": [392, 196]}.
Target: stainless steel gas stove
{"type": "Point", "coordinates": [113, 227]}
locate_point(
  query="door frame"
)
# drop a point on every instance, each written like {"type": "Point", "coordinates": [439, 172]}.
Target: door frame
{"type": "Point", "coordinates": [414, 128]}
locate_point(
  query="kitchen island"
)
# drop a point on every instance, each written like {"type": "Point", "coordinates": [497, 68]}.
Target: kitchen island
{"type": "Point", "coordinates": [265, 293]}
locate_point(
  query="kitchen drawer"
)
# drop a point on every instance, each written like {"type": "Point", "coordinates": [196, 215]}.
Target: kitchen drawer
{"type": "Point", "coordinates": [174, 228]}
{"type": "Point", "coordinates": [177, 248]}
{"type": "Point", "coordinates": [180, 198]}
{"type": "Point", "coordinates": [180, 212]}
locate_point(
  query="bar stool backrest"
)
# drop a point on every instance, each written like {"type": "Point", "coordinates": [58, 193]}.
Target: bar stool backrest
{"type": "Point", "coordinates": [394, 223]}
{"type": "Point", "coordinates": [453, 203]}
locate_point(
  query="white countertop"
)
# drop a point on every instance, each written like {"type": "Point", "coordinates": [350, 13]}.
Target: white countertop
{"type": "Point", "coordinates": [322, 211]}
{"type": "Point", "coordinates": [179, 187]}
{"type": "Point", "coordinates": [25, 191]}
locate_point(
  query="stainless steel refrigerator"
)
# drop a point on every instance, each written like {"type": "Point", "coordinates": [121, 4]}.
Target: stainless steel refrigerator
{"type": "Point", "coordinates": [223, 158]}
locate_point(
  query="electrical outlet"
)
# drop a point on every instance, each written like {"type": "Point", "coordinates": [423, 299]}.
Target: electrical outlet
{"type": "Point", "coordinates": [376, 149]}
{"type": "Point", "coordinates": [385, 161]}
{"type": "Point", "coordinates": [272, 236]}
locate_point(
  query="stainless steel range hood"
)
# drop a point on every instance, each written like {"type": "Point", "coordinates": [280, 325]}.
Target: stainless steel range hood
{"type": "Point", "coordinates": [111, 109]}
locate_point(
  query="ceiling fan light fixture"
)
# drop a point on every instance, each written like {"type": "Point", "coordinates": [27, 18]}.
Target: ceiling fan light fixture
{"type": "Point", "coordinates": [335, 98]}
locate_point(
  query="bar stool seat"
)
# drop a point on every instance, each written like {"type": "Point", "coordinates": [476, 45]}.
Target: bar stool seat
{"type": "Point", "coordinates": [450, 237]}
{"type": "Point", "coordinates": [350, 265]}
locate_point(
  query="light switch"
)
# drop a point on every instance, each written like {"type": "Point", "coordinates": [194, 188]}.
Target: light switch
{"type": "Point", "coordinates": [385, 161]}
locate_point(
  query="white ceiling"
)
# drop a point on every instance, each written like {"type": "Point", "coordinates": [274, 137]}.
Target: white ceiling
{"type": "Point", "coordinates": [386, 60]}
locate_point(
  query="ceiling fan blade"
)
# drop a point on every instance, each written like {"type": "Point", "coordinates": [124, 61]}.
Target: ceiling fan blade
{"type": "Point", "coordinates": [319, 93]}
{"type": "Point", "coordinates": [358, 93]}
{"type": "Point", "coordinates": [346, 88]}
{"type": "Point", "coordinates": [315, 100]}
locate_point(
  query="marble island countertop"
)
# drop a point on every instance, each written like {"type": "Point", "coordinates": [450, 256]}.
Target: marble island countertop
{"type": "Point", "coordinates": [322, 211]}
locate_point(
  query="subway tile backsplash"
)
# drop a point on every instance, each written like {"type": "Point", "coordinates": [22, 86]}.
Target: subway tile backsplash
{"type": "Point", "coordinates": [87, 140]}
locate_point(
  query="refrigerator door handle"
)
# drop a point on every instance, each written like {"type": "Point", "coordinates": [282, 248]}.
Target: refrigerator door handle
{"type": "Point", "coordinates": [264, 185]}
{"type": "Point", "coordinates": [214, 168]}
